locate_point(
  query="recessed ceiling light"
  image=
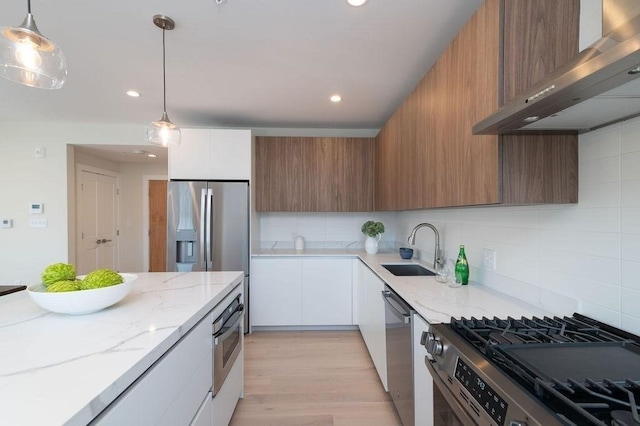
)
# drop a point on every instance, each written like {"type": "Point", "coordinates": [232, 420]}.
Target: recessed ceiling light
{"type": "Point", "coordinates": [335, 98]}
{"type": "Point", "coordinates": [356, 2]}
{"type": "Point", "coordinates": [133, 94]}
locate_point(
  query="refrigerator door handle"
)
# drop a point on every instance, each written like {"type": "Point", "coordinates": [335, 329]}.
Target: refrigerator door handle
{"type": "Point", "coordinates": [212, 212]}
{"type": "Point", "coordinates": [209, 230]}
{"type": "Point", "coordinates": [203, 220]}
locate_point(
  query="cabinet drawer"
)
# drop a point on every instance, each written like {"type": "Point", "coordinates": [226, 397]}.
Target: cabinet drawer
{"type": "Point", "coordinates": [171, 391]}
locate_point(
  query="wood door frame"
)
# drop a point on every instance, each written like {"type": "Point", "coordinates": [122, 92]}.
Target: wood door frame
{"type": "Point", "coordinates": [145, 217]}
{"type": "Point", "coordinates": [116, 175]}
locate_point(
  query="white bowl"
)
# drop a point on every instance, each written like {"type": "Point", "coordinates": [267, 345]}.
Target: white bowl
{"type": "Point", "coordinates": [81, 301]}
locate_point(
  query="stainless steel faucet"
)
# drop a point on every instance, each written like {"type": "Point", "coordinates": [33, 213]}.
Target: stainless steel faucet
{"type": "Point", "coordinates": [437, 260]}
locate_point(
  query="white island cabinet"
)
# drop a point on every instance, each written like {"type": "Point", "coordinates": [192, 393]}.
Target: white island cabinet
{"type": "Point", "coordinates": [211, 154]}
{"type": "Point", "coordinates": [301, 291]}
{"type": "Point", "coordinates": [146, 360]}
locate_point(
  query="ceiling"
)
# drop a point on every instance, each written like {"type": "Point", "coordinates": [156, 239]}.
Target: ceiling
{"type": "Point", "coordinates": [234, 63]}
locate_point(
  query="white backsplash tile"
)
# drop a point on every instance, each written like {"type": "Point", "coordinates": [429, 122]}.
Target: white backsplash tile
{"type": "Point", "coordinates": [630, 247]}
{"type": "Point", "coordinates": [601, 143]}
{"type": "Point", "coordinates": [599, 194]}
{"type": "Point", "coordinates": [605, 244]}
{"type": "Point", "coordinates": [609, 316]}
{"type": "Point", "coordinates": [630, 193]}
{"type": "Point", "coordinates": [630, 166]}
{"type": "Point", "coordinates": [630, 323]}
{"type": "Point", "coordinates": [630, 302]}
{"type": "Point", "coordinates": [629, 136]}
{"type": "Point", "coordinates": [600, 170]}
{"type": "Point", "coordinates": [630, 275]}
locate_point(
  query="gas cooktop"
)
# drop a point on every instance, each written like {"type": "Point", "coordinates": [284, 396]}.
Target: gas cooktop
{"type": "Point", "coordinates": [583, 371]}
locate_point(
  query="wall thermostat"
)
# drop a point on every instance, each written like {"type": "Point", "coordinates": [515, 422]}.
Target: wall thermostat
{"type": "Point", "coordinates": [37, 208]}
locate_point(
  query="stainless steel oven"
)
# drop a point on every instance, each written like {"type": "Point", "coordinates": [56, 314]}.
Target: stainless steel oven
{"type": "Point", "coordinates": [227, 341]}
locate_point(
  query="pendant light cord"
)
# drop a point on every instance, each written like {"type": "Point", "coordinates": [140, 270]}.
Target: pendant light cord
{"type": "Point", "coordinates": [164, 75]}
{"type": "Point", "coordinates": [29, 7]}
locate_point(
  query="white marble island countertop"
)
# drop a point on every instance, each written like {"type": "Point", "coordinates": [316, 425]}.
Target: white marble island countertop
{"type": "Point", "coordinates": [62, 369]}
{"type": "Point", "coordinates": [435, 302]}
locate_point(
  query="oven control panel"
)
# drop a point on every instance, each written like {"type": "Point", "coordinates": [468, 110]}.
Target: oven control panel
{"type": "Point", "coordinates": [492, 403]}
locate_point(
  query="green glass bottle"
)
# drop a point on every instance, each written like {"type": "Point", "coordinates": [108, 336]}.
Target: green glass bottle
{"type": "Point", "coordinates": [462, 268]}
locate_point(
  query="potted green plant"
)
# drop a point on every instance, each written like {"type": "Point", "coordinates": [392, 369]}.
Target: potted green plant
{"type": "Point", "coordinates": [373, 230]}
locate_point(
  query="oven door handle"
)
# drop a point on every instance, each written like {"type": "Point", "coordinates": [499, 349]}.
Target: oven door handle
{"type": "Point", "coordinates": [446, 392]}
{"type": "Point", "coordinates": [217, 338]}
{"type": "Point", "coordinates": [220, 322]}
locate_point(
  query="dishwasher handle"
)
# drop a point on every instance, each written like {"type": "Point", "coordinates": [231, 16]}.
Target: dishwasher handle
{"type": "Point", "coordinates": [399, 310]}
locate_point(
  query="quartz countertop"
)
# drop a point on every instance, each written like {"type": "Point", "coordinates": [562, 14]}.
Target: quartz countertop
{"type": "Point", "coordinates": [63, 369]}
{"type": "Point", "coordinates": [435, 302]}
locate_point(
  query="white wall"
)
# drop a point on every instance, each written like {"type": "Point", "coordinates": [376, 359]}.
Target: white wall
{"type": "Point", "coordinates": [25, 251]}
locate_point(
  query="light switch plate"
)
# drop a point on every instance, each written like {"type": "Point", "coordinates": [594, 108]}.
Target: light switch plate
{"type": "Point", "coordinates": [6, 223]}
{"type": "Point", "coordinates": [489, 259]}
{"type": "Point", "coordinates": [38, 222]}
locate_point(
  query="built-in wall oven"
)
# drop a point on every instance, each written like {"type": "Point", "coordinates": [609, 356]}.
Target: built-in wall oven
{"type": "Point", "coordinates": [534, 371]}
{"type": "Point", "coordinates": [227, 341]}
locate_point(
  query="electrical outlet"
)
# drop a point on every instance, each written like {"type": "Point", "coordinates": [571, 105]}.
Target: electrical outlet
{"type": "Point", "coordinates": [489, 259]}
{"type": "Point", "coordinates": [38, 222]}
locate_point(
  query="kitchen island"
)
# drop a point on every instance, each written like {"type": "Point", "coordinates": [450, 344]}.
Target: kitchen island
{"type": "Point", "coordinates": [62, 369]}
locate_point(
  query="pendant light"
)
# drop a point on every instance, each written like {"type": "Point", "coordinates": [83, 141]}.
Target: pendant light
{"type": "Point", "coordinates": [27, 57]}
{"type": "Point", "coordinates": [163, 132]}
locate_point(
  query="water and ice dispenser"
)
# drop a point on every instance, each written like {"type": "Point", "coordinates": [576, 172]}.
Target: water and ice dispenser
{"type": "Point", "coordinates": [186, 240]}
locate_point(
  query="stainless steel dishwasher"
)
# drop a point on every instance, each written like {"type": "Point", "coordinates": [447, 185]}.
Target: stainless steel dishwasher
{"type": "Point", "coordinates": [399, 356]}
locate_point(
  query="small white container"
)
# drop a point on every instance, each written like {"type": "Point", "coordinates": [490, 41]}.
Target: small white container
{"type": "Point", "coordinates": [299, 243]}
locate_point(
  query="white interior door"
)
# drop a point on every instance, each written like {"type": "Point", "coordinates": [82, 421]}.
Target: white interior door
{"type": "Point", "coordinates": [97, 201]}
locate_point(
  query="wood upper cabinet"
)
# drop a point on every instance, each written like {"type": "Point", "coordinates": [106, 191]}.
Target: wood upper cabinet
{"type": "Point", "coordinates": [428, 145]}
{"type": "Point", "coordinates": [314, 174]}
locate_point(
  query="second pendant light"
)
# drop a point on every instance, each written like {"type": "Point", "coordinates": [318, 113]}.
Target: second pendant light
{"type": "Point", "coordinates": [163, 132]}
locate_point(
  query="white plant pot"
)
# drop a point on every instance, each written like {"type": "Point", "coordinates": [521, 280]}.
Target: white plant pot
{"type": "Point", "coordinates": [371, 244]}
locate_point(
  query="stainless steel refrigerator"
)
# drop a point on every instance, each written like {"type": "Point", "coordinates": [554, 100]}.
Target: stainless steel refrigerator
{"type": "Point", "coordinates": [208, 228]}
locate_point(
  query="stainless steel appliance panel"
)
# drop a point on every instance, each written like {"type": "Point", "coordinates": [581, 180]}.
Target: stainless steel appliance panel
{"type": "Point", "coordinates": [185, 237]}
{"type": "Point", "coordinates": [227, 341]}
{"type": "Point", "coordinates": [230, 226]}
{"type": "Point", "coordinates": [399, 355]}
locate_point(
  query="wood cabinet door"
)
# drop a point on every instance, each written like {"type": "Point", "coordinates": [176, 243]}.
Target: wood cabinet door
{"type": "Point", "coordinates": [314, 174]}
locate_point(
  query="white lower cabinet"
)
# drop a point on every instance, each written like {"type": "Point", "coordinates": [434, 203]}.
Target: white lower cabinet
{"type": "Point", "coordinates": [276, 296]}
{"type": "Point", "coordinates": [171, 391]}
{"type": "Point", "coordinates": [327, 291]}
{"type": "Point", "coordinates": [301, 291]}
{"type": "Point", "coordinates": [422, 381]}
{"type": "Point", "coordinates": [371, 318]}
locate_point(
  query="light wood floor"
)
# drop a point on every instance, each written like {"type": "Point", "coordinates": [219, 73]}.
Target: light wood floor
{"type": "Point", "coordinates": [311, 378]}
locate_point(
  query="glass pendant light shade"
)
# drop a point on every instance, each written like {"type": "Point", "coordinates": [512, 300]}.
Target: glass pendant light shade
{"type": "Point", "coordinates": [163, 132]}
{"type": "Point", "coordinates": [27, 57]}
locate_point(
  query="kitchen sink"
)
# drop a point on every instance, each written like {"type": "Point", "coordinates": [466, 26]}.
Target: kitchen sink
{"type": "Point", "coordinates": [407, 269]}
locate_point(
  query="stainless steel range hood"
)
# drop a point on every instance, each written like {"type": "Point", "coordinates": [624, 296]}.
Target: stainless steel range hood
{"type": "Point", "coordinates": [599, 87]}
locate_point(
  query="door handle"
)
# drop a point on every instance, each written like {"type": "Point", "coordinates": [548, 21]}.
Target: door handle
{"type": "Point", "coordinates": [99, 241]}
{"type": "Point", "coordinates": [103, 241]}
